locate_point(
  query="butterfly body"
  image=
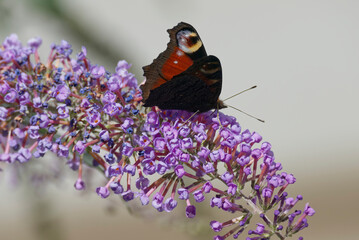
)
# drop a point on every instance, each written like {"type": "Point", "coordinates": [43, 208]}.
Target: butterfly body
{"type": "Point", "coordinates": [183, 77]}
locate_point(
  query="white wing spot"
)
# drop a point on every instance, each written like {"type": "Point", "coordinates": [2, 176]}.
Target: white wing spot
{"type": "Point", "coordinates": [175, 62]}
{"type": "Point", "coordinates": [179, 53]}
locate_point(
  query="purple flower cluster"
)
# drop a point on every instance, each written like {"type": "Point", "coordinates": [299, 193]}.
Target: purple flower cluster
{"type": "Point", "coordinates": [63, 105]}
{"type": "Point", "coordinates": [78, 110]}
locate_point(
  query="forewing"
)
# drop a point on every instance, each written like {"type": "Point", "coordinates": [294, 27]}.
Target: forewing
{"type": "Point", "coordinates": [177, 58]}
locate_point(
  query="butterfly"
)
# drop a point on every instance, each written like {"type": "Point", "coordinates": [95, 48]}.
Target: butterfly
{"type": "Point", "coordinates": [183, 77]}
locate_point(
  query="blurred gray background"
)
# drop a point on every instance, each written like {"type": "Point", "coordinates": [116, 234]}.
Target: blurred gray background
{"type": "Point", "coordinates": [302, 54]}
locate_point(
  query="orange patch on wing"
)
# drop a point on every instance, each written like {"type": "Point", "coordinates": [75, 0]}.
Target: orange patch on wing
{"type": "Point", "coordinates": [177, 63]}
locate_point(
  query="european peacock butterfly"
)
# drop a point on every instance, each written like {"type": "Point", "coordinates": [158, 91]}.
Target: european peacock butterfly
{"type": "Point", "coordinates": [183, 77]}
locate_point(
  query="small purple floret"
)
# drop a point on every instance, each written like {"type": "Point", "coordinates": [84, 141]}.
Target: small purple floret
{"type": "Point", "coordinates": [183, 193]}
{"type": "Point", "coordinates": [103, 192]}
{"type": "Point", "coordinates": [190, 211]}
{"type": "Point", "coordinates": [79, 184]}
{"type": "Point", "coordinates": [216, 226]}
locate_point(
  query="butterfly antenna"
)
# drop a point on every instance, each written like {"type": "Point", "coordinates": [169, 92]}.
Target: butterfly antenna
{"type": "Point", "coordinates": [239, 93]}
{"type": "Point", "coordinates": [191, 117]}
{"type": "Point", "coordinates": [246, 113]}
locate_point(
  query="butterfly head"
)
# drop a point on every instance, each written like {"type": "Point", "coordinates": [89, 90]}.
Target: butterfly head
{"type": "Point", "coordinates": [220, 104]}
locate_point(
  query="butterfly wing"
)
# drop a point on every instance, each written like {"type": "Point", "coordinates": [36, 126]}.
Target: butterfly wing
{"type": "Point", "coordinates": [196, 89]}
{"type": "Point", "coordinates": [184, 48]}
